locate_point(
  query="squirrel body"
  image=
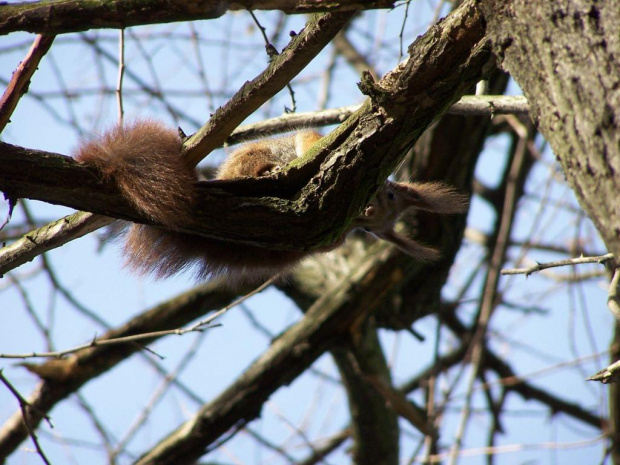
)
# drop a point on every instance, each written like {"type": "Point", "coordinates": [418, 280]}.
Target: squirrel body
{"type": "Point", "coordinates": [145, 160]}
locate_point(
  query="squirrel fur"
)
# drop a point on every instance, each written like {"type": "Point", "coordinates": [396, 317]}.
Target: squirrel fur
{"type": "Point", "coordinates": [144, 159]}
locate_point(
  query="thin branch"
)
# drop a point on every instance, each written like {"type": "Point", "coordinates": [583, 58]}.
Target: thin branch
{"type": "Point", "coordinates": [330, 445]}
{"type": "Point", "coordinates": [601, 259]}
{"type": "Point", "coordinates": [469, 105]}
{"type": "Point", "coordinates": [514, 178]}
{"type": "Point", "coordinates": [88, 364]}
{"type": "Point", "coordinates": [526, 390]}
{"type": "Point", "coordinates": [511, 448]}
{"type": "Point", "coordinates": [196, 327]}
{"type": "Point", "coordinates": [270, 445]}
{"type": "Point", "coordinates": [20, 80]}
{"type": "Point", "coordinates": [281, 70]}
{"type": "Point", "coordinates": [272, 52]}
{"type": "Point", "coordinates": [403, 406]}
{"type": "Point", "coordinates": [490, 105]}
{"type": "Point", "coordinates": [49, 237]}
{"type": "Point", "coordinates": [156, 397]}
{"type": "Point", "coordinates": [121, 74]}
{"type": "Point", "coordinates": [613, 299]}
{"type": "Point", "coordinates": [611, 374]}
{"type": "Point", "coordinates": [343, 46]}
{"type": "Point", "coordinates": [24, 405]}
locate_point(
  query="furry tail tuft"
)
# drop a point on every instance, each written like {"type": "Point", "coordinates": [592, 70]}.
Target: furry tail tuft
{"type": "Point", "coordinates": [144, 159]}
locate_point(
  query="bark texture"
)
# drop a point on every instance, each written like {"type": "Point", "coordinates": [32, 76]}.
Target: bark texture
{"type": "Point", "coordinates": [54, 17]}
{"type": "Point", "coordinates": [310, 204]}
{"type": "Point", "coordinates": [565, 55]}
{"type": "Point", "coordinates": [304, 206]}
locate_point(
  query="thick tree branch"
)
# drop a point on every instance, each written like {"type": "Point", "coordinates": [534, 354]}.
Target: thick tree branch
{"type": "Point", "coordinates": [54, 17]}
{"type": "Point", "coordinates": [374, 425]}
{"type": "Point", "coordinates": [312, 203]}
{"type": "Point", "coordinates": [319, 31]}
{"type": "Point", "coordinates": [329, 319]}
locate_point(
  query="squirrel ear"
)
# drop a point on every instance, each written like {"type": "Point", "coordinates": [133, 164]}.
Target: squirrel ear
{"type": "Point", "coordinates": [409, 246]}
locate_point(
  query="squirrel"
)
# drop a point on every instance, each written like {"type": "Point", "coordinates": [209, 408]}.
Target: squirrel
{"type": "Point", "coordinates": [144, 159]}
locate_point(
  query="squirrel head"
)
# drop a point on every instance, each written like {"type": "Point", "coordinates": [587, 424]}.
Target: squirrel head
{"type": "Point", "coordinates": [393, 199]}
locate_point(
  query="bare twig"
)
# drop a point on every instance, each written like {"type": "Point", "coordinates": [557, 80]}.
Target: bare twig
{"type": "Point", "coordinates": [613, 300]}
{"type": "Point", "coordinates": [156, 397]}
{"type": "Point", "coordinates": [24, 405]}
{"type": "Point", "coordinates": [571, 261]}
{"type": "Point", "coordinates": [282, 68]}
{"type": "Point", "coordinates": [121, 74]}
{"type": "Point", "coordinates": [470, 105]}
{"type": "Point", "coordinates": [273, 52]}
{"type": "Point", "coordinates": [196, 327]}
{"type": "Point", "coordinates": [514, 180]}
{"type": "Point", "coordinates": [608, 375]}
{"type": "Point", "coordinates": [403, 407]}
{"type": "Point", "coordinates": [48, 237]}
{"type": "Point", "coordinates": [21, 77]}
{"type": "Point", "coordinates": [511, 448]}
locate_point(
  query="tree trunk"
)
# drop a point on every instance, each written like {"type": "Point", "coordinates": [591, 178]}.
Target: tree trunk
{"type": "Point", "coordinates": [565, 56]}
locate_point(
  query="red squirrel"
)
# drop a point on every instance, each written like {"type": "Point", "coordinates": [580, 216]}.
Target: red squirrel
{"type": "Point", "coordinates": [144, 159]}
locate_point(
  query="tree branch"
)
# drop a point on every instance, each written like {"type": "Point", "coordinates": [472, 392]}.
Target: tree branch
{"type": "Point", "coordinates": [468, 105]}
{"type": "Point", "coordinates": [602, 259]}
{"type": "Point", "coordinates": [283, 67]}
{"type": "Point", "coordinates": [301, 213]}
{"type": "Point", "coordinates": [21, 77]}
{"type": "Point", "coordinates": [53, 17]}
{"type": "Point", "coordinates": [62, 377]}
{"type": "Point", "coordinates": [324, 325]}
{"type": "Point", "coordinates": [48, 237]}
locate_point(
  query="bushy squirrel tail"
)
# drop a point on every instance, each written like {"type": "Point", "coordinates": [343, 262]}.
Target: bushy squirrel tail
{"type": "Point", "coordinates": [144, 159]}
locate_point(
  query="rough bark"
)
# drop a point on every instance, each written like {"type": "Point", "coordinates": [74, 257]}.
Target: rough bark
{"type": "Point", "coordinates": [300, 212]}
{"type": "Point", "coordinates": [565, 55]}
{"type": "Point", "coordinates": [54, 17]}
{"type": "Point", "coordinates": [374, 425]}
{"type": "Point", "coordinates": [359, 357]}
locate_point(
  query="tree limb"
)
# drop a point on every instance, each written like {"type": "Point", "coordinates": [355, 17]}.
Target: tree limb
{"type": "Point", "coordinates": [311, 203]}
{"type": "Point", "coordinates": [282, 68]}
{"type": "Point", "coordinates": [54, 17]}
{"type": "Point", "coordinates": [62, 377]}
